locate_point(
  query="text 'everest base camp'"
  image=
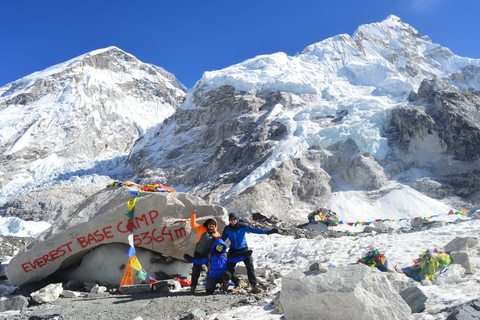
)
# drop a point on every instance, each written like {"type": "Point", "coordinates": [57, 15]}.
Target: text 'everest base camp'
{"type": "Point", "coordinates": [353, 168]}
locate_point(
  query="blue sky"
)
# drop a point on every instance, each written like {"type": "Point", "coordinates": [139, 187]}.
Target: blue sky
{"type": "Point", "coordinates": [188, 38]}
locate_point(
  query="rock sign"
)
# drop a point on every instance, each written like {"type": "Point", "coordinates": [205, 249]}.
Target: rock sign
{"type": "Point", "coordinates": [160, 224]}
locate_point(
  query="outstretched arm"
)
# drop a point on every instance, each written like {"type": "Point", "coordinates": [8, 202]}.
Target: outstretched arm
{"type": "Point", "coordinates": [251, 229]}
{"type": "Point", "coordinates": [193, 220]}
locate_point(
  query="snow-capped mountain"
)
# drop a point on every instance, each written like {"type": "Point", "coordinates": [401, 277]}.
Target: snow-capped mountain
{"type": "Point", "coordinates": [280, 135]}
{"type": "Point", "coordinates": [385, 117]}
{"type": "Point", "coordinates": [79, 118]}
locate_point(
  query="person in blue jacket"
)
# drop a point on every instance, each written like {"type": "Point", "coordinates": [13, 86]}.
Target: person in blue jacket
{"type": "Point", "coordinates": [217, 266]}
{"type": "Point", "coordinates": [235, 231]}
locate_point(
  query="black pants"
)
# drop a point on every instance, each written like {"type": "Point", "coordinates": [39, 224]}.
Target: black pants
{"type": "Point", "coordinates": [252, 279]}
{"type": "Point", "coordinates": [223, 278]}
{"type": "Point", "coordinates": [196, 268]}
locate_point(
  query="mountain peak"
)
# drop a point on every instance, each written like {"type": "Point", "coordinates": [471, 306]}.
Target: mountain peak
{"type": "Point", "coordinates": [106, 58]}
{"type": "Point", "coordinates": [393, 18]}
{"type": "Point", "coordinates": [382, 32]}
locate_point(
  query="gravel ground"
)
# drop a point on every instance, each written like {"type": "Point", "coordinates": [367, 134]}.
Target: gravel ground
{"type": "Point", "coordinates": [174, 305]}
{"type": "Point", "coordinates": [114, 305]}
{"type": "Point", "coordinates": [151, 305]}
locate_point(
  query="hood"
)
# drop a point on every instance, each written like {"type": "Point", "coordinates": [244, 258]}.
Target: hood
{"type": "Point", "coordinates": [205, 223]}
{"type": "Point", "coordinates": [219, 241]}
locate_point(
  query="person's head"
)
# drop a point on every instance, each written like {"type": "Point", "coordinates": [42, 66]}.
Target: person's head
{"type": "Point", "coordinates": [210, 224]}
{"type": "Point", "coordinates": [232, 218]}
{"type": "Point", "coordinates": [219, 248]}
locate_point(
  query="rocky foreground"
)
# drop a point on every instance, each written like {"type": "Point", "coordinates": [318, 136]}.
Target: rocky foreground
{"type": "Point", "coordinates": [173, 305]}
{"type": "Point", "coordinates": [169, 301]}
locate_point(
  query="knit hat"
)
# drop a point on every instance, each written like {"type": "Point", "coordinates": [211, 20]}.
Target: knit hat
{"type": "Point", "coordinates": [232, 216]}
{"type": "Point", "coordinates": [205, 224]}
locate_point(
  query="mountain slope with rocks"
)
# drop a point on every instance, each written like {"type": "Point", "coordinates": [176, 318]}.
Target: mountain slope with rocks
{"type": "Point", "coordinates": [68, 125]}
{"type": "Point", "coordinates": [282, 135]}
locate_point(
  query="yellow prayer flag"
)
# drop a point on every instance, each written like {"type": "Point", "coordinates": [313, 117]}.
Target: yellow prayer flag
{"type": "Point", "coordinates": [135, 263]}
{"type": "Point", "coordinates": [131, 203]}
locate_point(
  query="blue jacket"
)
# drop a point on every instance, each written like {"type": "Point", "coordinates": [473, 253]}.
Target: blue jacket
{"type": "Point", "coordinates": [217, 263]}
{"type": "Point", "coordinates": [237, 233]}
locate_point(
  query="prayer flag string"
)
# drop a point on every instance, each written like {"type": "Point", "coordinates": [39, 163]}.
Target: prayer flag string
{"type": "Point", "coordinates": [133, 266]}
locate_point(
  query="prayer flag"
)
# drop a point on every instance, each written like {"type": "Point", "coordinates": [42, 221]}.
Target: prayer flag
{"type": "Point", "coordinates": [130, 226]}
{"type": "Point", "coordinates": [129, 214]}
{"type": "Point", "coordinates": [135, 263]}
{"type": "Point", "coordinates": [127, 279]}
{"type": "Point", "coordinates": [142, 274]}
{"type": "Point", "coordinates": [130, 252]}
{"type": "Point", "coordinates": [131, 203]}
{"type": "Point", "coordinates": [130, 240]}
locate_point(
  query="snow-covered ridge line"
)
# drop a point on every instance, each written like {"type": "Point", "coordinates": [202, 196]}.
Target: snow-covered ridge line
{"type": "Point", "coordinates": [377, 54]}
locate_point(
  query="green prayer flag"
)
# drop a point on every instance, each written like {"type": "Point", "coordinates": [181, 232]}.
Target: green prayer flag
{"type": "Point", "coordinates": [129, 215]}
{"type": "Point", "coordinates": [142, 274]}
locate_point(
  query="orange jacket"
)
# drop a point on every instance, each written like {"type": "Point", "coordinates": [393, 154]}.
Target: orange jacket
{"type": "Point", "coordinates": [205, 240]}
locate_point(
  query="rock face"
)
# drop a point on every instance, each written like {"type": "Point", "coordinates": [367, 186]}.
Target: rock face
{"type": "Point", "coordinates": [350, 292]}
{"type": "Point", "coordinates": [440, 133]}
{"type": "Point", "coordinates": [444, 115]}
{"type": "Point", "coordinates": [161, 224]}
{"type": "Point", "coordinates": [46, 203]}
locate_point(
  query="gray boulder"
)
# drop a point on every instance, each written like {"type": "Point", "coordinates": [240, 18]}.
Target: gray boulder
{"type": "Point", "coordinates": [14, 303]}
{"type": "Point", "coordinates": [468, 311]}
{"type": "Point", "coordinates": [349, 292]}
{"type": "Point", "coordinates": [461, 244]}
{"type": "Point", "coordinates": [462, 259]}
{"type": "Point", "coordinates": [160, 224]}
{"type": "Point", "coordinates": [415, 298]}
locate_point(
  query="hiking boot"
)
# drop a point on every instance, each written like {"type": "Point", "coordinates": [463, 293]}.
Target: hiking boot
{"type": "Point", "coordinates": [256, 288]}
{"type": "Point", "coordinates": [225, 286]}
{"type": "Point", "coordinates": [236, 288]}
{"type": "Point", "coordinates": [192, 288]}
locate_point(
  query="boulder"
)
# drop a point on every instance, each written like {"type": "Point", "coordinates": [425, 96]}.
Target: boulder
{"type": "Point", "coordinates": [49, 293]}
{"type": "Point", "coordinates": [468, 311]}
{"type": "Point", "coordinates": [13, 303]}
{"type": "Point", "coordinates": [463, 259]}
{"type": "Point", "coordinates": [415, 298]}
{"type": "Point", "coordinates": [461, 244]}
{"type": "Point", "coordinates": [98, 289]}
{"type": "Point", "coordinates": [160, 224]}
{"type": "Point", "coordinates": [322, 227]}
{"type": "Point", "coordinates": [349, 292]}
{"type": "Point", "coordinates": [70, 294]}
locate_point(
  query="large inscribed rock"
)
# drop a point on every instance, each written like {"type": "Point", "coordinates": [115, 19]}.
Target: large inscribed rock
{"type": "Point", "coordinates": [161, 223]}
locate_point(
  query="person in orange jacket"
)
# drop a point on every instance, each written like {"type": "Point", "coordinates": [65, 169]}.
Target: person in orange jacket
{"type": "Point", "coordinates": [206, 236]}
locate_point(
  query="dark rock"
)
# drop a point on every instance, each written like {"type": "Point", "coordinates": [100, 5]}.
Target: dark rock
{"type": "Point", "coordinates": [136, 288]}
{"type": "Point", "coordinates": [14, 303]}
{"type": "Point", "coordinates": [468, 311]}
{"type": "Point", "coordinates": [415, 299]}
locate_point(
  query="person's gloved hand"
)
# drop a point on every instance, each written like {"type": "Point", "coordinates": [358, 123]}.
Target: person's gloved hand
{"type": "Point", "coordinates": [247, 254]}
{"type": "Point", "coordinates": [274, 230]}
{"type": "Point", "coordinates": [188, 257]}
